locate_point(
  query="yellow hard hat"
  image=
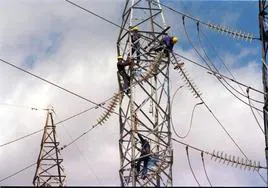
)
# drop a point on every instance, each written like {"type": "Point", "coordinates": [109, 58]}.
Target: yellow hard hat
{"type": "Point", "coordinates": [174, 40]}
{"type": "Point", "coordinates": [135, 28]}
{"type": "Point", "coordinates": [119, 57]}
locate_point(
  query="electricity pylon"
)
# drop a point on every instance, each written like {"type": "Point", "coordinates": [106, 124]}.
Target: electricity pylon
{"type": "Point", "coordinates": [49, 170]}
{"type": "Point", "coordinates": [146, 109]}
{"type": "Point", "coordinates": [264, 41]}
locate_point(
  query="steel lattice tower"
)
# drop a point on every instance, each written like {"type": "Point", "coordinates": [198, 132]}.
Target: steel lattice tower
{"type": "Point", "coordinates": [146, 110]}
{"type": "Point", "coordinates": [264, 40]}
{"type": "Point", "coordinates": [49, 170]}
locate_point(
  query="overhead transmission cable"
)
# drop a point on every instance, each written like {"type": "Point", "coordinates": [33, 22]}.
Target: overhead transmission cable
{"type": "Point", "coordinates": [249, 104]}
{"type": "Point", "coordinates": [218, 28]}
{"type": "Point", "coordinates": [225, 65]}
{"type": "Point", "coordinates": [209, 108]}
{"type": "Point", "coordinates": [191, 120]}
{"type": "Point", "coordinates": [81, 153]}
{"type": "Point", "coordinates": [175, 53]}
{"type": "Point", "coordinates": [203, 162]}
{"type": "Point", "coordinates": [188, 158]}
{"type": "Point", "coordinates": [40, 130]}
{"type": "Point", "coordinates": [188, 38]}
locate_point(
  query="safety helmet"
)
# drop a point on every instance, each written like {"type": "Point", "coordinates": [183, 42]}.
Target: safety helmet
{"type": "Point", "coordinates": [174, 40]}
{"type": "Point", "coordinates": [119, 57]}
{"type": "Point", "coordinates": [135, 28]}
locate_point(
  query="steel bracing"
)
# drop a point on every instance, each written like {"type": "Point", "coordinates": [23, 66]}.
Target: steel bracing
{"type": "Point", "coordinates": [146, 109]}
{"type": "Point", "coordinates": [49, 170]}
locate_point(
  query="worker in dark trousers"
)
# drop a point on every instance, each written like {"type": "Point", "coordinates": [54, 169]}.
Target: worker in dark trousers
{"type": "Point", "coordinates": [167, 43]}
{"type": "Point", "coordinates": [135, 37]}
{"type": "Point", "coordinates": [145, 150]}
{"type": "Point", "coordinates": [121, 64]}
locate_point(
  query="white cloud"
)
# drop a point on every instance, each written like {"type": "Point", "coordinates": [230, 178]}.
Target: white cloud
{"type": "Point", "coordinates": [85, 63]}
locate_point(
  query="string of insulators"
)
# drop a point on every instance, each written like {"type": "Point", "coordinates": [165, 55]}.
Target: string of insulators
{"type": "Point", "coordinates": [110, 109]}
{"type": "Point", "coordinates": [152, 69]}
{"type": "Point", "coordinates": [231, 32]}
{"type": "Point", "coordinates": [186, 78]}
{"type": "Point", "coordinates": [236, 161]}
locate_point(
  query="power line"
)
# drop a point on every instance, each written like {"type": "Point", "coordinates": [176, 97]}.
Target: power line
{"type": "Point", "coordinates": [217, 74]}
{"type": "Point", "coordinates": [91, 12]}
{"type": "Point", "coordinates": [191, 120]}
{"type": "Point", "coordinates": [198, 53]}
{"type": "Point", "coordinates": [40, 130]}
{"type": "Point", "coordinates": [187, 152]}
{"type": "Point", "coordinates": [81, 153]}
{"type": "Point", "coordinates": [202, 153]}
{"type": "Point", "coordinates": [22, 106]}
{"type": "Point", "coordinates": [14, 174]}
{"type": "Point", "coordinates": [214, 26]}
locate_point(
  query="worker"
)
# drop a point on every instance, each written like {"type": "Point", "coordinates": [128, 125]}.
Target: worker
{"type": "Point", "coordinates": [121, 64]}
{"type": "Point", "coordinates": [144, 156]}
{"type": "Point", "coordinates": [135, 37]}
{"type": "Point", "coordinates": [167, 43]}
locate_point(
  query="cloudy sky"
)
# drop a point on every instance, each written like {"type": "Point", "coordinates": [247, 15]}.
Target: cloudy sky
{"type": "Point", "coordinates": [77, 50]}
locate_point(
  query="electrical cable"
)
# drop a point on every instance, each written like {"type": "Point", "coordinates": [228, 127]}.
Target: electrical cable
{"type": "Point", "coordinates": [190, 17]}
{"type": "Point", "coordinates": [22, 106]}
{"type": "Point", "coordinates": [191, 120]}
{"type": "Point", "coordinates": [214, 114]}
{"type": "Point", "coordinates": [14, 174]}
{"type": "Point", "coordinates": [226, 67]}
{"type": "Point", "coordinates": [187, 152]}
{"type": "Point", "coordinates": [202, 153]}
{"type": "Point", "coordinates": [249, 104]}
{"type": "Point", "coordinates": [81, 153]}
{"type": "Point", "coordinates": [215, 73]}
{"type": "Point", "coordinates": [254, 113]}
{"type": "Point", "coordinates": [40, 130]}
{"type": "Point", "coordinates": [188, 38]}
{"type": "Point", "coordinates": [214, 49]}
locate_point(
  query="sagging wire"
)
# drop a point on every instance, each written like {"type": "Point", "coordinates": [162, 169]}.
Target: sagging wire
{"type": "Point", "coordinates": [203, 162]}
{"type": "Point", "coordinates": [244, 95]}
{"type": "Point", "coordinates": [233, 160]}
{"type": "Point", "coordinates": [217, 74]}
{"type": "Point", "coordinates": [22, 106]}
{"type": "Point", "coordinates": [231, 32]}
{"type": "Point", "coordinates": [199, 31]}
{"type": "Point", "coordinates": [249, 104]}
{"type": "Point", "coordinates": [191, 120]}
{"type": "Point", "coordinates": [228, 69]}
{"type": "Point", "coordinates": [186, 33]}
{"type": "Point", "coordinates": [81, 153]}
{"type": "Point", "coordinates": [187, 152]}
{"type": "Point", "coordinates": [212, 112]}
{"type": "Point", "coordinates": [253, 111]}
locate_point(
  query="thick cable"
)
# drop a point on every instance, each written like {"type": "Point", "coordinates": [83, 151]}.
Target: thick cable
{"type": "Point", "coordinates": [254, 113]}
{"type": "Point", "coordinates": [188, 158]}
{"type": "Point", "coordinates": [215, 73]}
{"type": "Point", "coordinates": [15, 173]}
{"type": "Point", "coordinates": [188, 16]}
{"type": "Point", "coordinates": [191, 120]}
{"type": "Point", "coordinates": [202, 153]}
{"type": "Point", "coordinates": [244, 95]}
{"type": "Point", "coordinates": [81, 153]}
{"type": "Point", "coordinates": [189, 40]}
{"type": "Point", "coordinates": [40, 130]}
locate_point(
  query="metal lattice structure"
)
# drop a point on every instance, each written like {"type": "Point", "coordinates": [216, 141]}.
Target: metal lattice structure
{"type": "Point", "coordinates": [146, 109]}
{"type": "Point", "coordinates": [263, 24]}
{"type": "Point", "coordinates": [49, 170]}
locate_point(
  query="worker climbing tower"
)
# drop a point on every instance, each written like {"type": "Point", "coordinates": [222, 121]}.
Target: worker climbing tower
{"type": "Point", "coordinates": [49, 170]}
{"type": "Point", "coordinates": [145, 109]}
